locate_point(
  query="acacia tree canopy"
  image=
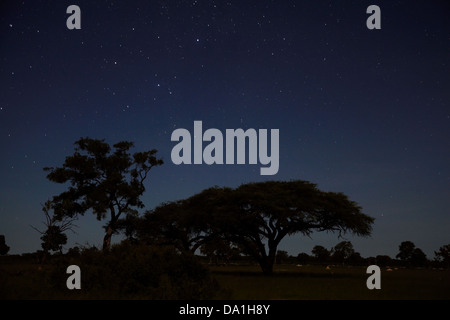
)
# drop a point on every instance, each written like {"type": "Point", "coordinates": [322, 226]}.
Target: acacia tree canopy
{"type": "Point", "coordinates": [255, 217]}
{"type": "Point", "coordinates": [102, 180]}
{"type": "Point", "coordinates": [184, 224]}
{"type": "Point", "coordinates": [266, 212]}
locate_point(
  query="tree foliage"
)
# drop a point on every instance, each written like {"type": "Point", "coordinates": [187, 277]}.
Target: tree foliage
{"type": "Point", "coordinates": [343, 251]}
{"type": "Point", "coordinates": [255, 217]}
{"type": "Point", "coordinates": [410, 255]}
{"type": "Point", "coordinates": [177, 223]}
{"type": "Point", "coordinates": [443, 255]}
{"type": "Point", "coordinates": [102, 179]}
{"type": "Point", "coordinates": [54, 237]}
{"type": "Point", "coordinates": [321, 254]}
{"type": "Point", "coordinates": [406, 249]}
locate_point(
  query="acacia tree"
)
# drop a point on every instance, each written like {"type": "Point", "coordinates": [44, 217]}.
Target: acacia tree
{"type": "Point", "coordinates": [255, 217]}
{"type": "Point", "coordinates": [102, 180]}
{"type": "Point", "coordinates": [266, 212]}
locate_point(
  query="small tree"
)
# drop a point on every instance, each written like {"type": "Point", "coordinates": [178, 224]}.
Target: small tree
{"type": "Point", "coordinates": [303, 258]}
{"type": "Point", "coordinates": [321, 254]}
{"type": "Point", "coordinates": [355, 259]}
{"type": "Point", "coordinates": [383, 260]}
{"type": "Point", "coordinates": [410, 255]}
{"type": "Point", "coordinates": [443, 256]}
{"type": "Point", "coordinates": [342, 251]}
{"type": "Point", "coordinates": [281, 257]}
{"type": "Point", "coordinates": [418, 258]}
{"type": "Point", "coordinates": [53, 238]}
{"type": "Point", "coordinates": [4, 249]}
{"type": "Point", "coordinates": [102, 181]}
{"type": "Point", "coordinates": [406, 249]}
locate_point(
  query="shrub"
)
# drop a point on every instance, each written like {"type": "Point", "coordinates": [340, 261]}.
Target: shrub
{"type": "Point", "coordinates": [136, 272]}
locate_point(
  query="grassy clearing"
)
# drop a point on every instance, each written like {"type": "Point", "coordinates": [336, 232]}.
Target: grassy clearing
{"type": "Point", "coordinates": [317, 283]}
{"type": "Point", "coordinates": [289, 282]}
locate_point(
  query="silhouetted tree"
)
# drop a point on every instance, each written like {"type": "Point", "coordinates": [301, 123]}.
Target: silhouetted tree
{"type": "Point", "coordinates": [371, 260]}
{"type": "Point", "coordinates": [410, 255]}
{"type": "Point", "coordinates": [128, 226]}
{"type": "Point", "coordinates": [355, 259]}
{"type": "Point", "coordinates": [342, 251]}
{"type": "Point", "coordinates": [383, 260]}
{"type": "Point", "coordinates": [102, 180]}
{"type": "Point", "coordinates": [255, 217]}
{"type": "Point", "coordinates": [303, 258]}
{"type": "Point", "coordinates": [321, 254]}
{"type": "Point", "coordinates": [4, 249]}
{"type": "Point", "coordinates": [406, 249]}
{"type": "Point", "coordinates": [53, 237]}
{"type": "Point", "coordinates": [443, 256]}
{"type": "Point", "coordinates": [282, 256]}
{"type": "Point", "coordinates": [418, 258]}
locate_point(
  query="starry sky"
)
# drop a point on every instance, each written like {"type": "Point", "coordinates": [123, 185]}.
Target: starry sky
{"type": "Point", "coordinates": [359, 111]}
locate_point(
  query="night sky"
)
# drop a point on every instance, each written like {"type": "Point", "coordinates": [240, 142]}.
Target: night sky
{"type": "Point", "coordinates": [359, 111]}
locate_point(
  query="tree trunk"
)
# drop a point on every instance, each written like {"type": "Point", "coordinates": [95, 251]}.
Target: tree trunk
{"type": "Point", "coordinates": [107, 238]}
{"type": "Point", "coordinates": [266, 263]}
{"type": "Point", "coordinates": [266, 267]}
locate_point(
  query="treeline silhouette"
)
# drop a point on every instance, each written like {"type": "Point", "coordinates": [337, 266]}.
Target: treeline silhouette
{"type": "Point", "coordinates": [163, 254]}
{"type": "Point", "coordinates": [343, 254]}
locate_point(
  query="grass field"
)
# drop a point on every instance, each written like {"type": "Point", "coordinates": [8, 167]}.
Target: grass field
{"type": "Point", "coordinates": [289, 282]}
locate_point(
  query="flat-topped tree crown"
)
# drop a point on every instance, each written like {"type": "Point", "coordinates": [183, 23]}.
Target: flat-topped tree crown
{"type": "Point", "coordinates": [255, 217]}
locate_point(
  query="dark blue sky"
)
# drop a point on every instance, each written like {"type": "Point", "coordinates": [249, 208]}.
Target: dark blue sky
{"type": "Point", "coordinates": [364, 112]}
